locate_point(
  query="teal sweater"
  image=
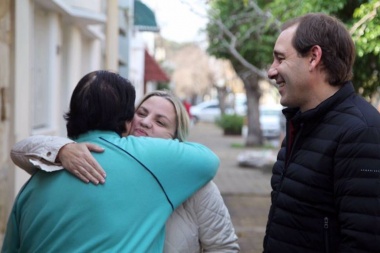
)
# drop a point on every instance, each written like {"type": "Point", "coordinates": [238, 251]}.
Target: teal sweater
{"type": "Point", "coordinates": [147, 178]}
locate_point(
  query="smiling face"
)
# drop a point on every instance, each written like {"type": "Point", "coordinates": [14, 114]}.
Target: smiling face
{"type": "Point", "coordinates": [155, 117]}
{"type": "Point", "coordinates": [290, 71]}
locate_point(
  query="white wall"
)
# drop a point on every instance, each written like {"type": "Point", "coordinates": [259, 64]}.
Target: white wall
{"type": "Point", "coordinates": [52, 52]}
{"type": "Point", "coordinates": [23, 77]}
{"type": "Point", "coordinates": [136, 64]}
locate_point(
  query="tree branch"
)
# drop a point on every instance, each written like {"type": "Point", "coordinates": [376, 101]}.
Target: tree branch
{"type": "Point", "coordinates": [232, 49]}
{"type": "Point", "coordinates": [369, 16]}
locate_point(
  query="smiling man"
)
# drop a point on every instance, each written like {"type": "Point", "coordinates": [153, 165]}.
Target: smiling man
{"type": "Point", "coordinates": [325, 183]}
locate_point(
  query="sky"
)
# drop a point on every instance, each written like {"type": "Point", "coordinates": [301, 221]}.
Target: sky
{"type": "Point", "coordinates": [179, 20]}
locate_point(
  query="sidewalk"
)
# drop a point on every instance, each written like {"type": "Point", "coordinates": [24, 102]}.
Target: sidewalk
{"type": "Point", "coordinates": [246, 191]}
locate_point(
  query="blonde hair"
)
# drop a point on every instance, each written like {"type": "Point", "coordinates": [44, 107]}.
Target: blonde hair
{"type": "Point", "coordinates": [182, 117]}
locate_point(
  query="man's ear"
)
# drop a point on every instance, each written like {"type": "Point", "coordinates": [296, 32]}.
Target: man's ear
{"type": "Point", "coordinates": [315, 57]}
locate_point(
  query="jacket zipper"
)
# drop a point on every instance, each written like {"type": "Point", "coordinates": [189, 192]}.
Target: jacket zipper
{"type": "Point", "coordinates": [326, 234]}
{"type": "Point", "coordinates": [286, 163]}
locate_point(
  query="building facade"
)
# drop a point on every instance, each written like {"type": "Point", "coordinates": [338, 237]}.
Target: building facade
{"type": "Point", "coordinates": [46, 46]}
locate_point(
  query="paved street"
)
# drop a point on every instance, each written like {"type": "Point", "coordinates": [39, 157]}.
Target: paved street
{"type": "Point", "coordinates": [245, 190]}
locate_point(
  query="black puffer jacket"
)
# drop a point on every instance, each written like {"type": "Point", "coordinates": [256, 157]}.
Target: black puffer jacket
{"type": "Point", "coordinates": [326, 186]}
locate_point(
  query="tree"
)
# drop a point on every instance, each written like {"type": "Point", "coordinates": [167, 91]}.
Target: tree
{"type": "Point", "coordinates": [366, 34]}
{"type": "Point", "coordinates": [249, 48]}
{"type": "Point", "coordinates": [188, 66]}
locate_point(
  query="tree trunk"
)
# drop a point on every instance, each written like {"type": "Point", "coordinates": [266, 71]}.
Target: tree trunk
{"type": "Point", "coordinates": [222, 94]}
{"type": "Point", "coordinates": [252, 88]}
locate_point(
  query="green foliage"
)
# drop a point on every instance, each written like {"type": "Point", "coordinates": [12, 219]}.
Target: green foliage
{"type": "Point", "coordinates": [287, 9]}
{"type": "Point", "coordinates": [367, 74]}
{"type": "Point", "coordinates": [365, 30]}
{"type": "Point", "coordinates": [367, 35]}
{"type": "Point", "coordinates": [163, 86]}
{"type": "Point", "coordinates": [230, 123]}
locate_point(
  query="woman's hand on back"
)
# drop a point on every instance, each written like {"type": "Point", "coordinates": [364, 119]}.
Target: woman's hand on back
{"type": "Point", "coordinates": [78, 160]}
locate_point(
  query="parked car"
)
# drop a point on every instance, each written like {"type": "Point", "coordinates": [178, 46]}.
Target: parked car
{"type": "Point", "coordinates": [272, 121]}
{"type": "Point", "coordinates": [207, 111]}
{"type": "Point", "coordinates": [241, 104]}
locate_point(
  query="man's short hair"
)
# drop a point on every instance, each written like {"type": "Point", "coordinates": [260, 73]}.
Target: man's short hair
{"type": "Point", "coordinates": [102, 100]}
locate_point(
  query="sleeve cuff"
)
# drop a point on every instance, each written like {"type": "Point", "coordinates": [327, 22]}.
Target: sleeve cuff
{"type": "Point", "coordinates": [45, 167]}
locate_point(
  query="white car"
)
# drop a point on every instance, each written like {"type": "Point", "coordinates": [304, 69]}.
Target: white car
{"type": "Point", "coordinates": [271, 120]}
{"type": "Point", "coordinates": [207, 111]}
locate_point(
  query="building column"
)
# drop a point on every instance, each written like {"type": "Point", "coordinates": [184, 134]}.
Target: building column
{"type": "Point", "coordinates": [112, 36]}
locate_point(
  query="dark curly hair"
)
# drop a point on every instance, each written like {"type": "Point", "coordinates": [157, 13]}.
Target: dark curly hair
{"type": "Point", "coordinates": [102, 100]}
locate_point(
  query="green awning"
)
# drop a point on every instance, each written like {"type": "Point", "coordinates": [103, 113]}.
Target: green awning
{"type": "Point", "coordinates": [144, 18]}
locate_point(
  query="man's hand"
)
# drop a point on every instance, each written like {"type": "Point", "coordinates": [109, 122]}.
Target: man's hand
{"type": "Point", "coordinates": [77, 159]}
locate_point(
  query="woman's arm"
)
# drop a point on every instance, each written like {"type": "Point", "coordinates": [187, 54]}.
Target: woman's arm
{"type": "Point", "coordinates": [51, 153]}
{"type": "Point", "coordinates": [38, 152]}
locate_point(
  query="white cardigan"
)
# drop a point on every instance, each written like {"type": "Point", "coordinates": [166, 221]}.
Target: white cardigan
{"type": "Point", "coordinates": [201, 224]}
